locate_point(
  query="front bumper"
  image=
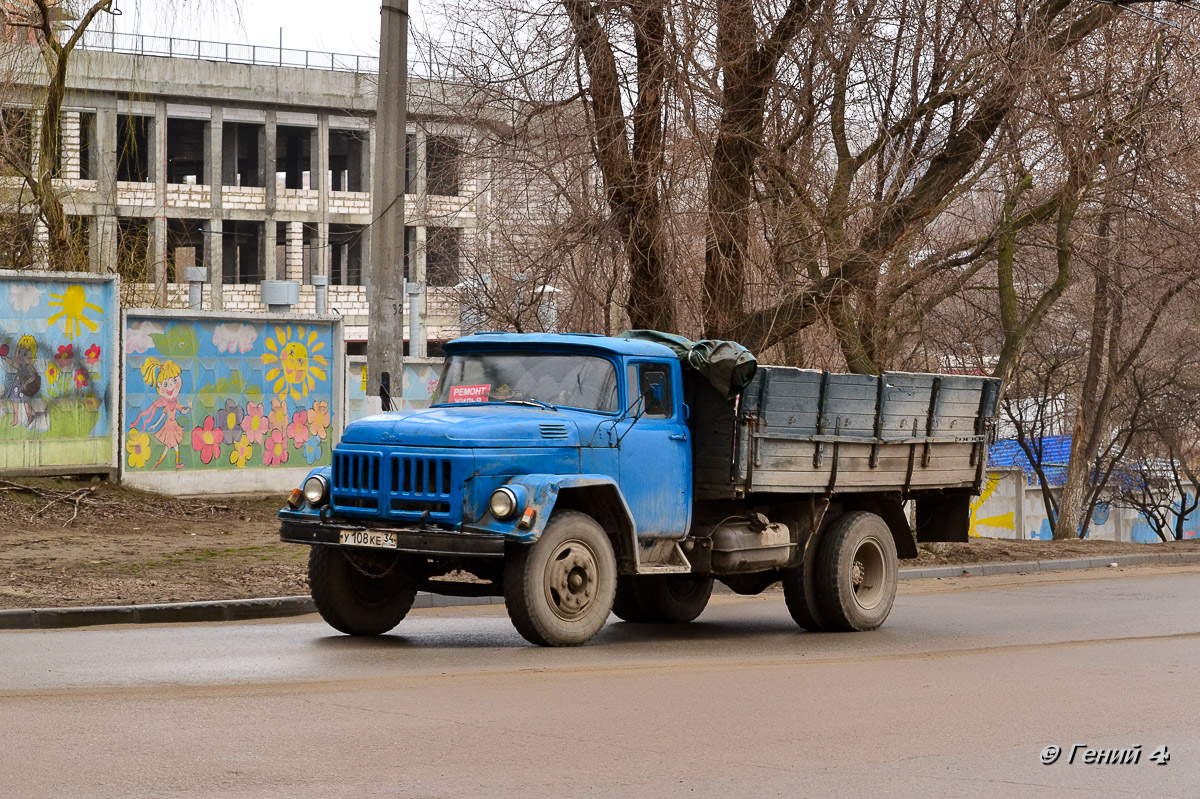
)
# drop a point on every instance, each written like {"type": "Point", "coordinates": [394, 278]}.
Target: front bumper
{"type": "Point", "coordinates": [411, 540]}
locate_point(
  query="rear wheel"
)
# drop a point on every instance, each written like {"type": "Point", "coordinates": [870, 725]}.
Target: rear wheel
{"type": "Point", "coordinates": [357, 593]}
{"type": "Point", "coordinates": [559, 591]}
{"type": "Point", "coordinates": [799, 590]}
{"type": "Point", "coordinates": [855, 573]}
{"type": "Point", "coordinates": [663, 598]}
{"type": "Point", "coordinates": [626, 605]}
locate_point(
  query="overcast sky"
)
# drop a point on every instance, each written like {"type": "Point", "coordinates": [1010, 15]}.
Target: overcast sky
{"type": "Point", "coordinates": [337, 26]}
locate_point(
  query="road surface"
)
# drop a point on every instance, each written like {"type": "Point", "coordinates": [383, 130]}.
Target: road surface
{"type": "Point", "coordinates": [956, 696]}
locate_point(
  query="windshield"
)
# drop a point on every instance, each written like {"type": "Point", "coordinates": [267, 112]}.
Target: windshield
{"type": "Point", "coordinates": [576, 381]}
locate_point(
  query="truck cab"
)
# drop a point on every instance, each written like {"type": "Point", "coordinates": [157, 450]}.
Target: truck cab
{"type": "Point", "coordinates": [578, 475]}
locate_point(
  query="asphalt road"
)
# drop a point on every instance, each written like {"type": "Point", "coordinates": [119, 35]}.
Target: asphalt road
{"type": "Point", "coordinates": [956, 696]}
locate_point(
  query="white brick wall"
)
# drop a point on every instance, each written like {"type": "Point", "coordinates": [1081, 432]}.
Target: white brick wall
{"type": "Point", "coordinates": [294, 253]}
{"type": "Point", "coordinates": [70, 144]}
{"type": "Point", "coordinates": [296, 200]}
{"type": "Point", "coordinates": [188, 195]}
{"type": "Point", "coordinates": [244, 198]}
{"type": "Point", "coordinates": [131, 193]}
{"type": "Point", "coordinates": [349, 202]}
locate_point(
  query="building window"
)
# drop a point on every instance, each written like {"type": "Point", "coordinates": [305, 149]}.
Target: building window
{"type": "Point", "coordinates": [410, 163]}
{"type": "Point", "coordinates": [185, 247]}
{"type": "Point", "coordinates": [16, 241]}
{"type": "Point", "coordinates": [87, 139]}
{"type": "Point", "coordinates": [441, 256]}
{"type": "Point", "coordinates": [293, 157]}
{"type": "Point", "coordinates": [241, 252]}
{"type": "Point", "coordinates": [443, 155]}
{"type": "Point", "coordinates": [345, 255]}
{"type": "Point", "coordinates": [185, 151]}
{"type": "Point", "coordinates": [133, 249]}
{"type": "Point", "coordinates": [16, 137]}
{"type": "Point", "coordinates": [347, 149]}
{"type": "Point", "coordinates": [133, 148]}
{"type": "Point", "coordinates": [239, 159]}
{"type": "Point", "coordinates": [410, 246]}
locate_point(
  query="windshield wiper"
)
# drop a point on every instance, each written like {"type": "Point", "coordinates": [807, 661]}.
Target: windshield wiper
{"type": "Point", "coordinates": [532, 402]}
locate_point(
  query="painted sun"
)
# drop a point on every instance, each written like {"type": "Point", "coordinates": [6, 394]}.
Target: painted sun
{"type": "Point", "coordinates": [72, 308]}
{"type": "Point", "coordinates": [295, 361]}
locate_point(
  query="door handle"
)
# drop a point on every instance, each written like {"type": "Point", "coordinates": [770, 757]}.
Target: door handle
{"type": "Point", "coordinates": [678, 437]}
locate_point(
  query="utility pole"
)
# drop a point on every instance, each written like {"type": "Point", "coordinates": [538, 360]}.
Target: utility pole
{"type": "Point", "coordinates": [385, 337]}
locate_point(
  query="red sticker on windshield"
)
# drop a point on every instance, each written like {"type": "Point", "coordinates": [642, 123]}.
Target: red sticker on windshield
{"type": "Point", "coordinates": [470, 393]}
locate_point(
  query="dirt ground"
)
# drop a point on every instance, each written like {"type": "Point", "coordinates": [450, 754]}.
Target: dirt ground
{"type": "Point", "coordinates": [128, 547]}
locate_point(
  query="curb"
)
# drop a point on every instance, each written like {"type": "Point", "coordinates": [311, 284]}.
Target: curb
{"type": "Point", "coordinates": [282, 607]}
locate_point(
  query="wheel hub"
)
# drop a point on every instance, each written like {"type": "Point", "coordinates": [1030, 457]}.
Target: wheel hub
{"type": "Point", "coordinates": [572, 575]}
{"type": "Point", "coordinates": [867, 574]}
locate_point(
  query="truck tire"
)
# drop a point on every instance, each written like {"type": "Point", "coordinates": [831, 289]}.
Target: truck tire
{"type": "Point", "coordinates": [856, 572]}
{"type": "Point", "coordinates": [367, 598]}
{"type": "Point", "coordinates": [661, 599]}
{"type": "Point", "coordinates": [673, 598]}
{"type": "Point", "coordinates": [800, 592]}
{"type": "Point", "coordinates": [559, 591]}
{"type": "Point", "coordinates": [626, 606]}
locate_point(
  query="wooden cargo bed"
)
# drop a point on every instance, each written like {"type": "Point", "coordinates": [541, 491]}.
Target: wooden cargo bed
{"type": "Point", "coordinates": [804, 431]}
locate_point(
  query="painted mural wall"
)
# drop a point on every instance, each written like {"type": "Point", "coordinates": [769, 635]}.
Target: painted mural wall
{"type": "Point", "coordinates": [1009, 507]}
{"type": "Point", "coordinates": [229, 399]}
{"type": "Point", "coordinates": [417, 390]}
{"type": "Point", "coordinates": [59, 354]}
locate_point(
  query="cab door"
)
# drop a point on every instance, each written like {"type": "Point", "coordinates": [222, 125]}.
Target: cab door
{"type": "Point", "coordinates": [655, 452]}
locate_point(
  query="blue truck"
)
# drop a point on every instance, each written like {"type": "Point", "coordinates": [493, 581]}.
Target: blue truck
{"type": "Point", "coordinates": [580, 475]}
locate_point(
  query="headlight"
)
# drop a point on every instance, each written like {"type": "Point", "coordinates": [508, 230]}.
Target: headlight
{"type": "Point", "coordinates": [503, 503]}
{"type": "Point", "coordinates": [316, 490]}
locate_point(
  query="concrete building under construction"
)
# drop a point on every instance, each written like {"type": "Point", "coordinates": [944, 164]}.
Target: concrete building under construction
{"type": "Point", "coordinates": [255, 163]}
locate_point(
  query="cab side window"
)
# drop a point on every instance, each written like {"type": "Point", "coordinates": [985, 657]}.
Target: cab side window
{"type": "Point", "coordinates": [654, 384]}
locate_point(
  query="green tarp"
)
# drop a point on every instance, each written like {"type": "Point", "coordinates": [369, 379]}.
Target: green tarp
{"type": "Point", "coordinates": [726, 364]}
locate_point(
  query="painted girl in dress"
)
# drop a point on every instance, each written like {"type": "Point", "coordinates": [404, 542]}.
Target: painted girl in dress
{"type": "Point", "coordinates": [159, 418]}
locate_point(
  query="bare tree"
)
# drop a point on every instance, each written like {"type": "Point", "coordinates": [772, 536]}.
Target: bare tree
{"type": "Point", "coordinates": [44, 19]}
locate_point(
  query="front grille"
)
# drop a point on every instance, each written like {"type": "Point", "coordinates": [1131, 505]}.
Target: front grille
{"type": "Point", "coordinates": [356, 479]}
{"type": "Point", "coordinates": [402, 485]}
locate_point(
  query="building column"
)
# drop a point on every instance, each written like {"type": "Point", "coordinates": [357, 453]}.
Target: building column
{"type": "Point", "coordinates": [321, 163]}
{"type": "Point", "coordinates": [214, 155]}
{"type": "Point", "coordinates": [267, 148]}
{"type": "Point", "coordinates": [158, 226]}
{"type": "Point", "coordinates": [104, 166]}
{"type": "Point", "coordinates": [214, 248]}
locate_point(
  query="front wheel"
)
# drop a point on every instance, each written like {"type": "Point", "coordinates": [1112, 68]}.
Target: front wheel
{"type": "Point", "coordinates": [559, 591]}
{"type": "Point", "coordinates": [357, 594]}
{"type": "Point", "coordinates": [856, 572]}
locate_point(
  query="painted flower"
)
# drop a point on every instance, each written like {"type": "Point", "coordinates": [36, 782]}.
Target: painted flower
{"type": "Point", "coordinates": [52, 373]}
{"type": "Point", "coordinates": [66, 352]}
{"type": "Point", "coordinates": [92, 353]}
{"type": "Point", "coordinates": [81, 378]}
{"type": "Point", "coordinates": [275, 451]}
{"type": "Point", "coordinates": [318, 419]}
{"type": "Point", "coordinates": [242, 452]}
{"type": "Point", "coordinates": [313, 450]}
{"type": "Point", "coordinates": [278, 418]}
{"type": "Point", "coordinates": [254, 423]}
{"type": "Point", "coordinates": [207, 440]}
{"type": "Point", "coordinates": [137, 444]}
{"type": "Point", "coordinates": [91, 402]}
{"type": "Point", "coordinates": [229, 419]}
{"type": "Point", "coordinates": [298, 429]}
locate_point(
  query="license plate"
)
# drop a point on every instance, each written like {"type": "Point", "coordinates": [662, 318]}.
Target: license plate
{"type": "Point", "coordinates": [367, 538]}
